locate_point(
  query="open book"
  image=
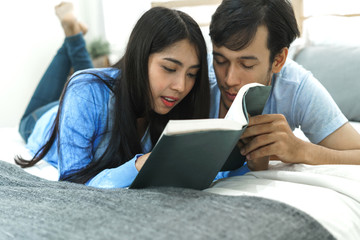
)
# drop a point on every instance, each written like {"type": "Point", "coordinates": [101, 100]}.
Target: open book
{"type": "Point", "coordinates": [190, 153]}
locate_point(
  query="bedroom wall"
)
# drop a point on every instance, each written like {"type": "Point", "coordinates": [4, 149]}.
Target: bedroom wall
{"type": "Point", "coordinates": [31, 34]}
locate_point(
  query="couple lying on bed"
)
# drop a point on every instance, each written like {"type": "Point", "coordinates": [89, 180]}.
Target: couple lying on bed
{"type": "Point", "coordinates": [103, 128]}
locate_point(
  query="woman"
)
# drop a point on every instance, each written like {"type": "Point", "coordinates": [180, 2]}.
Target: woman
{"type": "Point", "coordinates": [109, 119]}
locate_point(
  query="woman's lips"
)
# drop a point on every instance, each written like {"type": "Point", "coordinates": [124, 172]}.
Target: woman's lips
{"type": "Point", "coordinates": [169, 101]}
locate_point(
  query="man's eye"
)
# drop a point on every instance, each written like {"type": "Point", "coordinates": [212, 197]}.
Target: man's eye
{"type": "Point", "coordinates": [169, 69]}
{"type": "Point", "coordinates": [248, 67]}
{"type": "Point", "coordinates": [219, 62]}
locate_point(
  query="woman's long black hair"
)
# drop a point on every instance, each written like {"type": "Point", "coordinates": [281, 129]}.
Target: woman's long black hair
{"type": "Point", "coordinates": [156, 30]}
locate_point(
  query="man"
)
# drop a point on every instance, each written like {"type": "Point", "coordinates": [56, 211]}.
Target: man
{"type": "Point", "coordinates": [250, 40]}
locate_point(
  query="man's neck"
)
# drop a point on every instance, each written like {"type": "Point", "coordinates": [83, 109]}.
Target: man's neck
{"type": "Point", "coordinates": [222, 109]}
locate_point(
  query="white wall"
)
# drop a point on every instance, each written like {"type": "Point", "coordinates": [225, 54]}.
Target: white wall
{"type": "Point", "coordinates": [119, 20]}
{"type": "Point", "coordinates": [31, 35]}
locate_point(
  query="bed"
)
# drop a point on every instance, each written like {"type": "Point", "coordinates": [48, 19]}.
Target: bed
{"type": "Point", "coordinates": [36, 206]}
{"type": "Point", "coordinates": [288, 201]}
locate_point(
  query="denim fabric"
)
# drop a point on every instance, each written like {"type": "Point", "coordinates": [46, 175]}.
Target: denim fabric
{"type": "Point", "coordinates": [84, 118]}
{"type": "Point", "coordinates": [72, 54]}
{"type": "Point", "coordinates": [28, 122]}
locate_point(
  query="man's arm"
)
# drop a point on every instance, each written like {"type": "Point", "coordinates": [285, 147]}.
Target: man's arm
{"type": "Point", "coordinates": [272, 136]}
{"type": "Point", "coordinates": [345, 143]}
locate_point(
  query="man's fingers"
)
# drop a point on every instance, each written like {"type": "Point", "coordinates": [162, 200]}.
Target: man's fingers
{"type": "Point", "coordinates": [265, 118]}
{"type": "Point", "coordinates": [257, 142]}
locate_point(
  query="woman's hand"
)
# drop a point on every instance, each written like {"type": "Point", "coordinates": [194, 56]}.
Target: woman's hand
{"type": "Point", "coordinates": [139, 163]}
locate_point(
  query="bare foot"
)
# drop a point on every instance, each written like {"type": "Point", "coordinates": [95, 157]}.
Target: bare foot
{"type": "Point", "coordinates": [71, 26]}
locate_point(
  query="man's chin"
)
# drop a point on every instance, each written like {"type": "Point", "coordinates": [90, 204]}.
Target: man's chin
{"type": "Point", "coordinates": [226, 103]}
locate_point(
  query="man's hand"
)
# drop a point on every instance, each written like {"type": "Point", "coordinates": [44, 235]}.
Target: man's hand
{"type": "Point", "coordinates": [271, 135]}
{"type": "Point", "coordinates": [257, 164]}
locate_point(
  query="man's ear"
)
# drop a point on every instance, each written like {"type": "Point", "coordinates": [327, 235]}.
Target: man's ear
{"type": "Point", "coordinates": [279, 60]}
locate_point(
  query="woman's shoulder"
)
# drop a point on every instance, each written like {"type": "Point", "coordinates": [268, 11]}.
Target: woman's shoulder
{"type": "Point", "coordinates": [93, 85]}
{"type": "Point", "coordinates": [94, 76]}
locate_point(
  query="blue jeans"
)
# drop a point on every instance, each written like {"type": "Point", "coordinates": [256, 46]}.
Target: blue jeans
{"type": "Point", "coordinates": [72, 54]}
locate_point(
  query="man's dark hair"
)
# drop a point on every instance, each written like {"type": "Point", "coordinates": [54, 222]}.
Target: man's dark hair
{"type": "Point", "coordinates": [235, 23]}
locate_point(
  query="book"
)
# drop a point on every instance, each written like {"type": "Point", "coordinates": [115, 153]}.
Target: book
{"type": "Point", "coordinates": [190, 153]}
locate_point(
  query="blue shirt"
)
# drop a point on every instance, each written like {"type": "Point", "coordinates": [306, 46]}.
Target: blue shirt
{"type": "Point", "coordinates": [83, 120]}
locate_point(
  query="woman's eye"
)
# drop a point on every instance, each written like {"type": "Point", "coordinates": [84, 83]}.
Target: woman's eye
{"type": "Point", "coordinates": [169, 69]}
{"type": "Point", "coordinates": [191, 75]}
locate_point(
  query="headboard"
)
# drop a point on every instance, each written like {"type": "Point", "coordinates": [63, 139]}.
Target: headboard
{"type": "Point", "coordinates": [297, 4]}
{"type": "Point", "coordinates": [191, 5]}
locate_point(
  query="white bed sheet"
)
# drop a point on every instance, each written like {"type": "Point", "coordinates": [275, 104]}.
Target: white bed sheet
{"type": "Point", "coordinates": [11, 145]}
{"type": "Point", "coordinates": [328, 193]}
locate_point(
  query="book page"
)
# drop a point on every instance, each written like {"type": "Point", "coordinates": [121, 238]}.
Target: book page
{"type": "Point", "coordinates": [237, 111]}
{"type": "Point", "coordinates": [198, 125]}
{"type": "Point", "coordinates": [235, 119]}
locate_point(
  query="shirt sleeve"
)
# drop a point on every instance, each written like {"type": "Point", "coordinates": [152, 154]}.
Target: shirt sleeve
{"type": "Point", "coordinates": [238, 172]}
{"type": "Point", "coordinates": [315, 111]}
{"type": "Point", "coordinates": [120, 177]}
{"type": "Point", "coordinates": [80, 124]}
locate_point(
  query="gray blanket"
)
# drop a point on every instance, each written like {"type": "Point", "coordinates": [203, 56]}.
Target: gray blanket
{"type": "Point", "coordinates": [34, 208]}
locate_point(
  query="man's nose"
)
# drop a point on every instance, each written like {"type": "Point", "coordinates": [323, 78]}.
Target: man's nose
{"type": "Point", "coordinates": [232, 76]}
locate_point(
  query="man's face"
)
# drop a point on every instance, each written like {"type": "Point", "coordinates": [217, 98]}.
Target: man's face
{"type": "Point", "coordinates": [234, 69]}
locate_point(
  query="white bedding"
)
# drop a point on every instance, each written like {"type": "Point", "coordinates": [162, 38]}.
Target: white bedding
{"type": "Point", "coordinates": [11, 144]}
{"type": "Point", "coordinates": [329, 193]}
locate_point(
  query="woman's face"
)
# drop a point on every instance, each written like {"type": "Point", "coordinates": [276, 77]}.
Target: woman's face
{"type": "Point", "coordinates": [172, 75]}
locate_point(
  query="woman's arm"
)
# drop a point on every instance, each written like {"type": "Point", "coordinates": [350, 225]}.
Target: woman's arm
{"type": "Point", "coordinates": [121, 176]}
{"type": "Point", "coordinates": [82, 123]}
{"type": "Point", "coordinates": [83, 135]}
